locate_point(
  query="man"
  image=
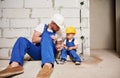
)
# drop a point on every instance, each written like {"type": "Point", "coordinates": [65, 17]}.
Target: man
{"type": "Point", "coordinates": [42, 48]}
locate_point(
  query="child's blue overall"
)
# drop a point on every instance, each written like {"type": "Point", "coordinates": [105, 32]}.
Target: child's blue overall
{"type": "Point", "coordinates": [71, 53]}
{"type": "Point", "coordinates": [42, 51]}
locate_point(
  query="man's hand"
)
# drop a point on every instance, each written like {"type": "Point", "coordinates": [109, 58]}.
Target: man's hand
{"type": "Point", "coordinates": [53, 37]}
{"type": "Point", "coordinates": [59, 45]}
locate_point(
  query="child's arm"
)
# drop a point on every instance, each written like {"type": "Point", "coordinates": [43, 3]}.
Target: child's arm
{"type": "Point", "coordinates": [73, 47]}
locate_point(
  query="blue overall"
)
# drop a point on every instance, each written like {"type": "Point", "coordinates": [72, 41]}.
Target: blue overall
{"type": "Point", "coordinates": [71, 53]}
{"type": "Point", "coordinates": [41, 51]}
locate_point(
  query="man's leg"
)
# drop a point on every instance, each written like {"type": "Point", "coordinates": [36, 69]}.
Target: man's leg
{"type": "Point", "coordinates": [47, 54]}
{"type": "Point", "coordinates": [21, 47]}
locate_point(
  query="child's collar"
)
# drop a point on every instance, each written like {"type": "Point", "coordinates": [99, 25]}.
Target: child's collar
{"type": "Point", "coordinates": [70, 39]}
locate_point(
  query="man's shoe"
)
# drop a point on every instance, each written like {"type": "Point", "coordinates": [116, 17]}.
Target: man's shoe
{"type": "Point", "coordinates": [77, 63]}
{"type": "Point", "coordinates": [10, 71]}
{"type": "Point", "coordinates": [45, 72]}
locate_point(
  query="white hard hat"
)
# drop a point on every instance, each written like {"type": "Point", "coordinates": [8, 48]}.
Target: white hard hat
{"type": "Point", "coordinates": [59, 20]}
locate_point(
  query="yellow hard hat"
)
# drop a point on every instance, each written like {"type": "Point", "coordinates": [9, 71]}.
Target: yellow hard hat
{"type": "Point", "coordinates": [70, 29]}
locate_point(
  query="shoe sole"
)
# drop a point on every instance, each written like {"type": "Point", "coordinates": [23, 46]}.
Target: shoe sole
{"type": "Point", "coordinates": [10, 74]}
{"type": "Point", "coordinates": [43, 74]}
{"type": "Point", "coordinates": [77, 63]}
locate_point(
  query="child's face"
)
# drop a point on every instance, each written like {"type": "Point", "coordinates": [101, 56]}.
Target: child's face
{"type": "Point", "coordinates": [70, 35]}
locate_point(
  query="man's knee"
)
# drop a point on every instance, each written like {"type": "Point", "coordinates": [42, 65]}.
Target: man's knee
{"type": "Point", "coordinates": [22, 40]}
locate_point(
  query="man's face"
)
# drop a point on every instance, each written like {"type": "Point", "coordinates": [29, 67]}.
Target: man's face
{"type": "Point", "coordinates": [70, 35]}
{"type": "Point", "coordinates": [54, 26]}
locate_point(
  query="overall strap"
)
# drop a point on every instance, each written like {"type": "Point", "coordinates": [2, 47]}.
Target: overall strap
{"type": "Point", "coordinates": [73, 39]}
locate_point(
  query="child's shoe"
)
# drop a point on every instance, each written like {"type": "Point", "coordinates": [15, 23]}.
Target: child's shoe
{"type": "Point", "coordinates": [77, 63]}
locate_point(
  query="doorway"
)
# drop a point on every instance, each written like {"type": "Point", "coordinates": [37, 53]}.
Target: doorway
{"type": "Point", "coordinates": [102, 24]}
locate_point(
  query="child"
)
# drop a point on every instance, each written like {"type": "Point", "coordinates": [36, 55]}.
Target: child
{"type": "Point", "coordinates": [70, 46]}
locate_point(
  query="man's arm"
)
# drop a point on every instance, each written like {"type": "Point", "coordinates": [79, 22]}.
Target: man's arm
{"type": "Point", "coordinates": [36, 37]}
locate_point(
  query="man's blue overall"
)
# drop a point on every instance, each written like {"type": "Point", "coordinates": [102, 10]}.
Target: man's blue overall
{"type": "Point", "coordinates": [42, 51]}
{"type": "Point", "coordinates": [72, 53]}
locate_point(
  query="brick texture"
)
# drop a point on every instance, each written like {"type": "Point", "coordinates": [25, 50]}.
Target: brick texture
{"type": "Point", "coordinates": [19, 23]}
{"type": "Point", "coordinates": [6, 43]}
{"type": "Point", "coordinates": [70, 12]}
{"type": "Point", "coordinates": [0, 12]}
{"type": "Point", "coordinates": [36, 13]}
{"type": "Point", "coordinates": [16, 13]}
{"type": "Point", "coordinates": [4, 23]}
{"type": "Point", "coordinates": [11, 4]}
{"type": "Point", "coordinates": [67, 3]}
{"type": "Point", "coordinates": [72, 22]}
{"type": "Point", "coordinates": [0, 33]}
{"type": "Point", "coordinates": [11, 33]}
{"type": "Point", "coordinates": [38, 3]}
{"type": "Point", "coordinates": [4, 53]}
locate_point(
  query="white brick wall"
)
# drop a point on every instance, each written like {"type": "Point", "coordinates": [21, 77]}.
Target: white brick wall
{"type": "Point", "coordinates": [4, 23]}
{"type": "Point", "coordinates": [70, 12]}
{"type": "Point", "coordinates": [20, 17]}
{"type": "Point", "coordinates": [36, 13]}
{"type": "Point", "coordinates": [84, 22]}
{"type": "Point", "coordinates": [84, 33]}
{"type": "Point", "coordinates": [67, 3]}
{"type": "Point", "coordinates": [86, 3]}
{"type": "Point", "coordinates": [11, 33]}
{"type": "Point", "coordinates": [4, 53]}
{"type": "Point", "coordinates": [16, 13]}
{"type": "Point", "coordinates": [72, 22]}
{"type": "Point", "coordinates": [85, 12]}
{"type": "Point", "coordinates": [11, 4]}
{"type": "Point", "coordinates": [6, 43]}
{"type": "Point", "coordinates": [0, 33]}
{"type": "Point", "coordinates": [45, 20]}
{"type": "Point", "coordinates": [19, 23]}
{"type": "Point", "coordinates": [0, 12]}
{"type": "Point", "coordinates": [31, 33]}
{"type": "Point", "coordinates": [38, 3]}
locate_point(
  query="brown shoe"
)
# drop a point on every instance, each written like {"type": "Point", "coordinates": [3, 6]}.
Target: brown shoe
{"type": "Point", "coordinates": [45, 72]}
{"type": "Point", "coordinates": [10, 71]}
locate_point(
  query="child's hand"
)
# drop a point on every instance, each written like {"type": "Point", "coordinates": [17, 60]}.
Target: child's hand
{"type": "Point", "coordinates": [66, 47]}
{"type": "Point", "coordinates": [70, 48]}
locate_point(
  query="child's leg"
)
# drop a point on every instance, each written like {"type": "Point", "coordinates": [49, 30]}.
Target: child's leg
{"type": "Point", "coordinates": [63, 54]}
{"type": "Point", "coordinates": [74, 55]}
